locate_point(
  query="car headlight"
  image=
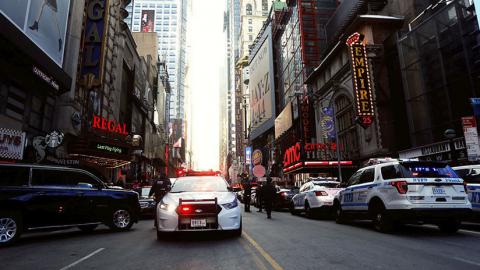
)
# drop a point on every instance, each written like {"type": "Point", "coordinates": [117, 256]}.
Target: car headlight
{"type": "Point", "coordinates": [167, 207]}
{"type": "Point", "coordinates": [231, 205]}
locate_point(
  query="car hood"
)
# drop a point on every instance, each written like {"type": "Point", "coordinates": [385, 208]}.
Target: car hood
{"type": "Point", "coordinates": [222, 197]}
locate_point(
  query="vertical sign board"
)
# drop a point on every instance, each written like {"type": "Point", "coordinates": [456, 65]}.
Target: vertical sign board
{"type": "Point", "coordinates": [471, 137]}
{"type": "Point", "coordinates": [362, 84]}
{"type": "Point", "coordinates": [261, 86]}
{"type": "Point", "coordinates": [148, 17]}
{"type": "Point", "coordinates": [477, 8]}
{"type": "Point", "coordinates": [94, 36]}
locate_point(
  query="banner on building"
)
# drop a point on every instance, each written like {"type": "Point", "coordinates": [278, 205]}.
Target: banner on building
{"type": "Point", "coordinates": [471, 138]}
{"type": "Point", "coordinates": [284, 121]}
{"type": "Point", "coordinates": [261, 86]}
{"type": "Point", "coordinates": [43, 22]}
{"type": "Point", "coordinates": [362, 85]}
{"type": "Point", "coordinates": [148, 19]}
{"type": "Point", "coordinates": [12, 143]}
{"type": "Point", "coordinates": [327, 123]}
{"type": "Point", "coordinates": [248, 155]}
{"type": "Point", "coordinates": [477, 8]}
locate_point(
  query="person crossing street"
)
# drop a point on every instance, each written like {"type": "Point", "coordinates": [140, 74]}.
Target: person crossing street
{"type": "Point", "coordinates": [268, 195]}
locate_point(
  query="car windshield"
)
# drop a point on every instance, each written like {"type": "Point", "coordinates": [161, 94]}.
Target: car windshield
{"type": "Point", "coordinates": [145, 191]}
{"type": "Point", "coordinates": [200, 184]}
{"type": "Point", "coordinates": [328, 185]}
{"type": "Point", "coordinates": [427, 170]}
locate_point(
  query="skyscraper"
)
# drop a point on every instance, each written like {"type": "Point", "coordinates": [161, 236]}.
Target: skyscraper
{"type": "Point", "coordinates": [168, 19]}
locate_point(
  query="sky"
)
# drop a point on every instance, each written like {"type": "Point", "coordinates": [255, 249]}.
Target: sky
{"type": "Point", "coordinates": [205, 41]}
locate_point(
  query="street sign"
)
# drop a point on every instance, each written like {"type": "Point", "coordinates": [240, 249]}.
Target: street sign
{"type": "Point", "coordinates": [259, 171]}
{"type": "Point", "coordinates": [471, 137]}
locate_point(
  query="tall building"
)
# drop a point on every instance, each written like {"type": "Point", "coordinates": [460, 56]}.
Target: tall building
{"type": "Point", "coordinates": [168, 18]}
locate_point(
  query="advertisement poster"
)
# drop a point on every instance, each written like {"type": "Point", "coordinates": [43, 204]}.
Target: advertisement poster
{"type": "Point", "coordinates": [477, 8]}
{"type": "Point", "coordinates": [148, 18]}
{"type": "Point", "coordinates": [327, 123]}
{"type": "Point", "coordinates": [43, 21]}
{"type": "Point", "coordinates": [12, 143]}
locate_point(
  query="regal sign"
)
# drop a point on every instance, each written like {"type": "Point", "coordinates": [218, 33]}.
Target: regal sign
{"type": "Point", "coordinates": [94, 39]}
{"type": "Point", "coordinates": [362, 84]}
{"type": "Point", "coordinates": [109, 125]}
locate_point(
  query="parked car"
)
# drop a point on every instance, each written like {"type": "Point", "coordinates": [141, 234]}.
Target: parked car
{"type": "Point", "coordinates": [283, 198]}
{"type": "Point", "coordinates": [240, 195]}
{"type": "Point", "coordinates": [34, 197]}
{"type": "Point", "coordinates": [147, 204]}
{"type": "Point", "coordinates": [315, 197]}
{"type": "Point", "coordinates": [471, 175]}
{"type": "Point", "coordinates": [405, 192]}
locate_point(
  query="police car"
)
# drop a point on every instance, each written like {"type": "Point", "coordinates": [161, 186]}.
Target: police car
{"type": "Point", "coordinates": [199, 203]}
{"type": "Point", "coordinates": [404, 192]}
{"type": "Point", "coordinates": [471, 175]}
{"type": "Point", "coordinates": [315, 196]}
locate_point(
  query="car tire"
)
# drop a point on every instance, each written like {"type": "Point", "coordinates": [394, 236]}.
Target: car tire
{"type": "Point", "coordinates": [339, 215]}
{"type": "Point", "coordinates": [450, 226]}
{"type": "Point", "coordinates": [237, 232]}
{"type": "Point", "coordinates": [11, 227]}
{"type": "Point", "coordinates": [381, 220]}
{"type": "Point", "coordinates": [121, 219]}
{"type": "Point", "coordinates": [292, 209]}
{"type": "Point", "coordinates": [308, 211]}
{"type": "Point", "coordinates": [88, 228]}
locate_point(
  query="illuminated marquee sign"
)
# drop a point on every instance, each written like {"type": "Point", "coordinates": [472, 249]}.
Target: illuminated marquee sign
{"type": "Point", "coordinates": [109, 125]}
{"type": "Point", "coordinates": [361, 80]}
{"type": "Point", "coordinates": [292, 155]}
{"type": "Point", "coordinates": [109, 148]}
{"type": "Point", "coordinates": [93, 39]}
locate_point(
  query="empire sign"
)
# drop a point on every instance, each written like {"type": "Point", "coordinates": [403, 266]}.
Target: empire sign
{"type": "Point", "coordinates": [362, 84]}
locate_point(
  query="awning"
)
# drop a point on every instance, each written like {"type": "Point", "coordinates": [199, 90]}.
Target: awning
{"type": "Point", "coordinates": [320, 166]}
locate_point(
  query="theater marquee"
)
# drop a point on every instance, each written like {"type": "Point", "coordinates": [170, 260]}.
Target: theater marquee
{"type": "Point", "coordinates": [362, 84]}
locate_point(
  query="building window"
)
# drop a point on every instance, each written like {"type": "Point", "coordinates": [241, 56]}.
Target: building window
{"type": "Point", "coordinates": [249, 9]}
{"type": "Point", "coordinates": [264, 7]}
{"type": "Point", "coordinates": [347, 133]}
{"type": "Point", "coordinates": [250, 29]}
{"type": "Point", "coordinates": [250, 38]}
{"type": "Point", "coordinates": [250, 21]}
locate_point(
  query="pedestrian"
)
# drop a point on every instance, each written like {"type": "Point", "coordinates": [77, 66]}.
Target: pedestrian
{"type": "Point", "coordinates": [268, 195]}
{"type": "Point", "coordinates": [247, 192]}
{"type": "Point", "coordinates": [159, 188]}
{"type": "Point", "coordinates": [259, 196]}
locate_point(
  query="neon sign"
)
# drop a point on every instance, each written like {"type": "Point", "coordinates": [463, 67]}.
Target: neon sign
{"type": "Point", "coordinates": [292, 155]}
{"type": "Point", "coordinates": [361, 80]}
{"type": "Point", "coordinates": [109, 125]}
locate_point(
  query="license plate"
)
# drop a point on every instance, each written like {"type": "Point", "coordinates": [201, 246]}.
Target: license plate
{"type": "Point", "coordinates": [195, 223]}
{"type": "Point", "coordinates": [438, 190]}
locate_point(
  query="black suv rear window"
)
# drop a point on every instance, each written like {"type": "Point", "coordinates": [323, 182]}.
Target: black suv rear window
{"type": "Point", "coordinates": [14, 176]}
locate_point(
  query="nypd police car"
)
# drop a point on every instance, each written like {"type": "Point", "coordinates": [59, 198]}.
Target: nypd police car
{"type": "Point", "coordinates": [404, 192]}
{"type": "Point", "coordinates": [471, 176]}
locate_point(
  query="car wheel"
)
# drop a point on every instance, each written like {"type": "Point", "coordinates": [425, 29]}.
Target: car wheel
{"type": "Point", "coordinates": [10, 228]}
{"type": "Point", "coordinates": [339, 215]}
{"type": "Point", "coordinates": [292, 209]}
{"type": "Point", "coordinates": [381, 221]}
{"type": "Point", "coordinates": [121, 219]}
{"type": "Point", "coordinates": [88, 228]}
{"type": "Point", "coordinates": [308, 211]}
{"type": "Point", "coordinates": [237, 232]}
{"type": "Point", "coordinates": [450, 226]}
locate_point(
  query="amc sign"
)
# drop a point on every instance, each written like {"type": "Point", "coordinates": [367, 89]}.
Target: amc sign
{"type": "Point", "coordinates": [292, 155]}
{"type": "Point", "coordinates": [361, 80]}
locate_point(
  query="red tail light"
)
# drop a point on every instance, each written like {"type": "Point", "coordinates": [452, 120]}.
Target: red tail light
{"type": "Point", "coordinates": [185, 209]}
{"type": "Point", "coordinates": [402, 186]}
{"type": "Point", "coordinates": [321, 193]}
{"type": "Point", "coordinates": [283, 194]}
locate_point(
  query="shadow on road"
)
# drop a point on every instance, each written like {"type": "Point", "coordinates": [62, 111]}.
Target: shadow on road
{"type": "Point", "coordinates": [192, 237]}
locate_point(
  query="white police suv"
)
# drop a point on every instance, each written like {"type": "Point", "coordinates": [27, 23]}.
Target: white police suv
{"type": "Point", "coordinates": [471, 176]}
{"type": "Point", "coordinates": [404, 192]}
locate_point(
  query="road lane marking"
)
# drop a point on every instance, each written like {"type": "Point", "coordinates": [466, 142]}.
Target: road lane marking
{"type": "Point", "coordinates": [260, 264]}
{"type": "Point", "coordinates": [265, 255]}
{"type": "Point", "coordinates": [82, 259]}
{"type": "Point", "coordinates": [467, 261]}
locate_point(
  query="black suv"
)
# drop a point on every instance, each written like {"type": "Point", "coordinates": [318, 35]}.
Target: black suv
{"type": "Point", "coordinates": [34, 197]}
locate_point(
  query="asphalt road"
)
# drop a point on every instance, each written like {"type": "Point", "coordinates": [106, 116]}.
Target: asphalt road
{"type": "Point", "coordinates": [285, 242]}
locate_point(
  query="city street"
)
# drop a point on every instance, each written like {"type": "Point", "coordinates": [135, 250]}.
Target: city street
{"type": "Point", "coordinates": [285, 242]}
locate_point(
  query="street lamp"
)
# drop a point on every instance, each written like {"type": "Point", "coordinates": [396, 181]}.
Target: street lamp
{"type": "Point", "coordinates": [450, 134]}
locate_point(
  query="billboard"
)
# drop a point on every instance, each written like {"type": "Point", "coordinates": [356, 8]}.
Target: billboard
{"type": "Point", "coordinates": [261, 86]}
{"type": "Point", "coordinates": [477, 8]}
{"type": "Point", "coordinates": [42, 21]}
{"type": "Point", "coordinates": [147, 22]}
{"type": "Point", "coordinates": [12, 143]}
{"type": "Point", "coordinates": [284, 121]}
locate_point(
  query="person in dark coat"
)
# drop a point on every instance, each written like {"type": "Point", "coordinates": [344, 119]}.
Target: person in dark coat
{"type": "Point", "coordinates": [160, 187]}
{"type": "Point", "coordinates": [268, 194]}
{"type": "Point", "coordinates": [259, 196]}
{"type": "Point", "coordinates": [247, 192]}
